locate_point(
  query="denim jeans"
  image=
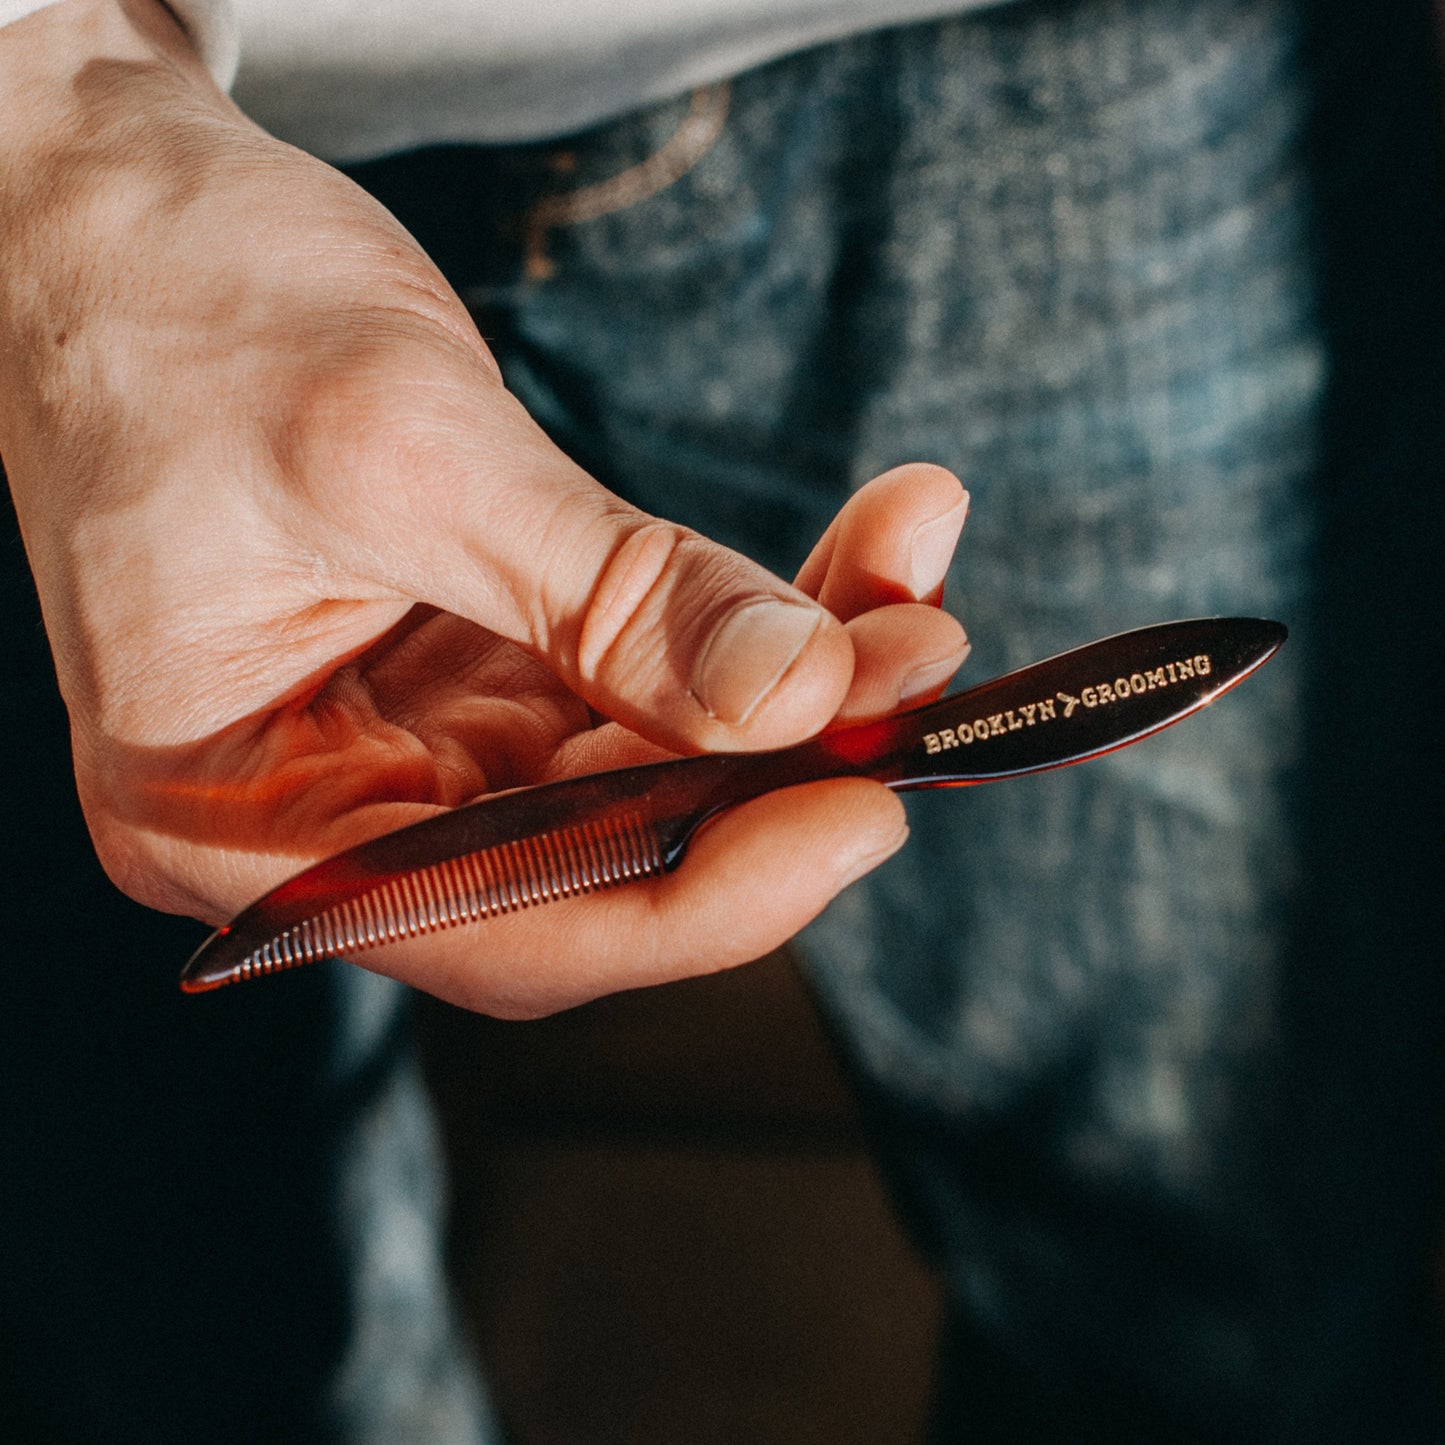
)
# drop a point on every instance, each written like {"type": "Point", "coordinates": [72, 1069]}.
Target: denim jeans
{"type": "Point", "coordinates": [1149, 1048]}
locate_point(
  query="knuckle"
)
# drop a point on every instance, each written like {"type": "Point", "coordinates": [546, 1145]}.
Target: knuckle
{"type": "Point", "coordinates": [633, 575]}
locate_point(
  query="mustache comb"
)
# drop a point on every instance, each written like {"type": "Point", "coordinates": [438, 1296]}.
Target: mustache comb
{"type": "Point", "coordinates": [525, 848]}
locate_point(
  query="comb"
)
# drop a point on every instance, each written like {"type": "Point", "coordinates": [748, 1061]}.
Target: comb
{"type": "Point", "coordinates": [528, 847]}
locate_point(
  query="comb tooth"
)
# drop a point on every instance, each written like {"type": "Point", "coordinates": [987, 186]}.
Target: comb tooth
{"type": "Point", "coordinates": [393, 911]}
{"type": "Point", "coordinates": [530, 879]}
{"type": "Point", "coordinates": [544, 865]}
{"type": "Point", "coordinates": [564, 863]}
{"type": "Point", "coordinates": [554, 865]}
{"type": "Point", "coordinates": [570, 872]}
{"type": "Point", "coordinates": [635, 856]}
{"type": "Point", "coordinates": [444, 885]}
{"type": "Point", "coordinates": [547, 880]}
{"type": "Point", "coordinates": [456, 892]}
{"type": "Point", "coordinates": [483, 900]}
{"type": "Point", "coordinates": [429, 897]}
{"type": "Point", "coordinates": [348, 920]}
{"type": "Point", "coordinates": [394, 906]}
{"type": "Point", "coordinates": [530, 874]}
{"type": "Point", "coordinates": [470, 901]}
{"type": "Point", "coordinates": [611, 857]}
{"type": "Point", "coordinates": [414, 916]}
{"type": "Point", "coordinates": [554, 868]}
{"type": "Point", "coordinates": [366, 932]}
{"type": "Point", "coordinates": [603, 857]}
{"type": "Point", "coordinates": [506, 862]}
{"type": "Point", "coordinates": [589, 858]}
{"type": "Point", "coordinates": [490, 895]}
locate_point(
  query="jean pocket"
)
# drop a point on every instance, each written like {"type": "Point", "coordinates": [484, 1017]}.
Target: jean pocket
{"type": "Point", "coordinates": [674, 157]}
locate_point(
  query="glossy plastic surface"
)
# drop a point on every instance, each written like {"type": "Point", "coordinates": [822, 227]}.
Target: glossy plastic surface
{"type": "Point", "coordinates": [524, 848]}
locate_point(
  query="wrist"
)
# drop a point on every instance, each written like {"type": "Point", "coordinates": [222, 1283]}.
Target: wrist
{"type": "Point", "coordinates": [110, 117]}
{"type": "Point", "coordinates": [66, 65]}
{"type": "Point", "coordinates": [95, 91]}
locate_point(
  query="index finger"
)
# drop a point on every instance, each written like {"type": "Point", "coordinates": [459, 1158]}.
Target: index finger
{"type": "Point", "coordinates": [891, 542]}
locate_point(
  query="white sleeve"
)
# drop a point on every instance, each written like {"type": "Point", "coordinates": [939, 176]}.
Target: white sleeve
{"type": "Point", "coordinates": [210, 24]}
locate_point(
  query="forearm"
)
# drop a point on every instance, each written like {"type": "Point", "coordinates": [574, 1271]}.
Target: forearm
{"type": "Point", "coordinates": [54, 61]}
{"type": "Point", "coordinates": [107, 107]}
{"type": "Point", "coordinates": [102, 99]}
{"type": "Point", "coordinates": [89, 87]}
{"type": "Point", "coordinates": [208, 25]}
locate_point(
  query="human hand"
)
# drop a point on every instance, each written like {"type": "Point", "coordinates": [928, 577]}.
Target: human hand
{"type": "Point", "coordinates": [310, 573]}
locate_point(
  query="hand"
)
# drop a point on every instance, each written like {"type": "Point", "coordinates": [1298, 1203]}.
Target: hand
{"type": "Point", "coordinates": [310, 573]}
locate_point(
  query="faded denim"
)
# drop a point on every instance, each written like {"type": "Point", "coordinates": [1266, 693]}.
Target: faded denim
{"type": "Point", "coordinates": [1149, 1047]}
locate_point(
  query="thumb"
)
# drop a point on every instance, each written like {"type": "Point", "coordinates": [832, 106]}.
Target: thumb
{"type": "Point", "coordinates": [678, 638]}
{"type": "Point", "coordinates": [674, 631]}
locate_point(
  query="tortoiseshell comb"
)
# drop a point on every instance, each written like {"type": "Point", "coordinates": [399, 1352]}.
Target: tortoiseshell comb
{"type": "Point", "coordinates": [559, 840]}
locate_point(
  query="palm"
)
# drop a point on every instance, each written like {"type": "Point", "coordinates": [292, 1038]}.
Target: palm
{"type": "Point", "coordinates": [436, 713]}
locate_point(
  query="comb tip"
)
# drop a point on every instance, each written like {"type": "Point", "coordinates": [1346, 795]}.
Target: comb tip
{"type": "Point", "coordinates": [202, 973]}
{"type": "Point", "coordinates": [1256, 639]}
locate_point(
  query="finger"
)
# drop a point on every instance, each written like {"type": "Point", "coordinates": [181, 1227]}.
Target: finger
{"type": "Point", "coordinates": [688, 643]}
{"type": "Point", "coordinates": [904, 656]}
{"type": "Point", "coordinates": [892, 542]}
{"type": "Point", "coordinates": [750, 881]}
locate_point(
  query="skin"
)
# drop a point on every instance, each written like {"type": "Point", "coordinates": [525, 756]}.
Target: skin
{"type": "Point", "coordinates": [309, 572]}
